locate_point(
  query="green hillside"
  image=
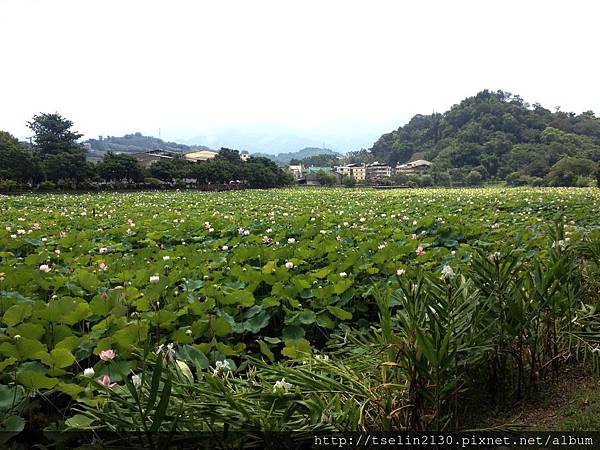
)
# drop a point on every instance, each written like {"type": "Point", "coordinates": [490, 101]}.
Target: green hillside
{"type": "Point", "coordinates": [500, 136]}
{"type": "Point", "coordinates": [307, 152]}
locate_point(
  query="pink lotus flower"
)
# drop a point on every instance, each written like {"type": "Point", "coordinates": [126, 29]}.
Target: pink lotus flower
{"type": "Point", "coordinates": [107, 355]}
{"type": "Point", "coordinates": [102, 265]}
{"type": "Point", "coordinates": [414, 235]}
{"type": "Point", "coordinates": [36, 226]}
{"type": "Point", "coordinates": [266, 239]}
{"type": "Point", "coordinates": [419, 251]}
{"type": "Point", "coordinates": [105, 381]}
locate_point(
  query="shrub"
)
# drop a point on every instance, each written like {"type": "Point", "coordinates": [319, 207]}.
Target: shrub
{"type": "Point", "coordinates": [152, 182]}
{"type": "Point", "coordinates": [64, 184]}
{"type": "Point", "coordinates": [349, 181]}
{"type": "Point", "coordinates": [584, 181]}
{"type": "Point", "coordinates": [474, 178]}
{"type": "Point", "coordinates": [47, 186]}
{"type": "Point", "coordinates": [8, 186]}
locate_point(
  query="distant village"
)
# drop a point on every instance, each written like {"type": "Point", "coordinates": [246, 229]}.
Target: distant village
{"type": "Point", "coordinates": [371, 173]}
{"type": "Point", "coordinates": [361, 173]}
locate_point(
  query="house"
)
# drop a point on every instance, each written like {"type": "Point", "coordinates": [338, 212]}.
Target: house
{"type": "Point", "coordinates": [377, 170]}
{"type": "Point", "coordinates": [420, 165]}
{"type": "Point", "coordinates": [244, 155]}
{"type": "Point", "coordinates": [199, 156]}
{"type": "Point", "coordinates": [356, 171]}
{"type": "Point", "coordinates": [296, 170]}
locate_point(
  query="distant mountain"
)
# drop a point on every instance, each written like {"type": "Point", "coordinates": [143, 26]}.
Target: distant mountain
{"type": "Point", "coordinates": [134, 143]}
{"type": "Point", "coordinates": [257, 140]}
{"type": "Point", "coordinates": [285, 158]}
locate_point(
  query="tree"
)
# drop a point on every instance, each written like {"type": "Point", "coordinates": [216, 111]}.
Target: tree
{"type": "Point", "coordinates": [566, 171]}
{"type": "Point", "coordinates": [16, 162]}
{"type": "Point", "coordinates": [62, 157]}
{"type": "Point", "coordinates": [68, 165]}
{"type": "Point", "coordinates": [164, 170]}
{"type": "Point", "coordinates": [325, 179]}
{"type": "Point", "coordinates": [442, 179]}
{"type": "Point", "coordinates": [114, 167]}
{"type": "Point", "coordinates": [53, 134]}
{"type": "Point", "coordinates": [349, 181]}
{"type": "Point", "coordinates": [474, 178]}
{"type": "Point", "coordinates": [233, 156]}
{"type": "Point", "coordinates": [320, 160]}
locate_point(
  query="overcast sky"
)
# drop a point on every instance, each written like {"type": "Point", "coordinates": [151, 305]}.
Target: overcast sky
{"type": "Point", "coordinates": [318, 68]}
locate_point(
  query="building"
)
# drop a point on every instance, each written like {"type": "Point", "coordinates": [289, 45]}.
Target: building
{"type": "Point", "coordinates": [356, 171]}
{"type": "Point", "coordinates": [417, 166]}
{"type": "Point", "coordinates": [378, 170]}
{"type": "Point", "coordinates": [149, 157]}
{"type": "Point", "coordinates": [296, 171]}
{"type": "Point", "coordinates": [244, 155]}
{"type": "Point", "coordinates": [317, 169]}
{"type": "Point", "coordinates": [199, 156]}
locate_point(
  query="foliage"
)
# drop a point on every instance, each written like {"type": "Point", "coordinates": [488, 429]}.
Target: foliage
{"type": "Point", "coordinates": [53, 134]}
{"type": "Point", "coordinates": [496, 130]}
{"type": "Point", "coordinates": [114, 167]}
{"type": "Point", "coordinates": [326, 160]}
{"type": "Point", "coordinates": [278, 275]}
{"type": "Point", "coordinates": [297, 157]}
{"type": "Point", "coordinates": [16, 162]}
{"type": "Point", "coordinates": [349, 181]}
{"type": "Point", "coordinates": [566, 171]}
{"type": "Point", "coordinates": [325, 179]}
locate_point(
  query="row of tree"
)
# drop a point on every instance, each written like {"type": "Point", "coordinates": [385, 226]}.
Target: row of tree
{"type": "Point", "coordinates": [56, 160]}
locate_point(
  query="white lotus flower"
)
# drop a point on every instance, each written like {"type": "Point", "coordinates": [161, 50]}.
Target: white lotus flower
{"type": "Point", "coordinates": [282, 385]}
{"type": "Point", "coordinates": [220, 367]}
{"type": "Point", "coordinates": [136, 380]}
{"type": "Point", "coordinates": [447, 272]}
{"type": "Point", "coordinates": [89, 372]}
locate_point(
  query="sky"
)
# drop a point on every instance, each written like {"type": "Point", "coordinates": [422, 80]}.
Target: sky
{"type": "Point", "coordinates": [340, 72]}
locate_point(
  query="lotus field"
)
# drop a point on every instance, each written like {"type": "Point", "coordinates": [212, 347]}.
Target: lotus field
{"type": "Point", "coordinates": [293, 309]}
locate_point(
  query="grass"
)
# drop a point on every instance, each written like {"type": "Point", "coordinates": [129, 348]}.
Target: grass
{"type": "Point", "coordinates": [570, 404]}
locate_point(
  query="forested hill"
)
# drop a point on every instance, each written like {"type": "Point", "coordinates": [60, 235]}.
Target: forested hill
{"type": "Point", "coordinates": [307, 152]}
{"type": "Point", "coordinates": [136, 142]}
{"type": "Point", "coordinates": [495, 133]}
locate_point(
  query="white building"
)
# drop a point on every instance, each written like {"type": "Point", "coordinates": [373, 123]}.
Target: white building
{"type": "Point", "coordinates": [420, 165]}
{"type": "Point", "coordinates": [378, 170]}
{"type": "Point", "coordinates": [296, 171]}
{"type": "Point", "coordinates": [356, 171]}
